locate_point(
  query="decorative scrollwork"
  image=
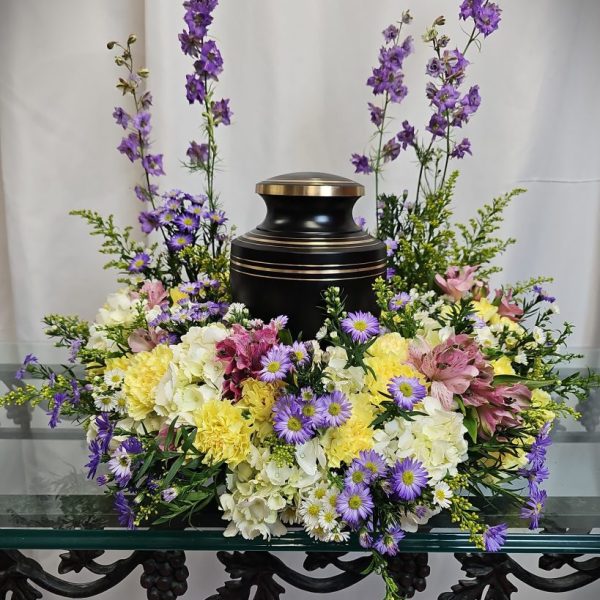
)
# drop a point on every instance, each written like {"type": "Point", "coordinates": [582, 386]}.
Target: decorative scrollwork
{"type": "Point", "coordinates": [165, 575]}
{"type": "Point", "coordinates": [410, 572]}
{"type": "Point", "coordinates": [489, 576]}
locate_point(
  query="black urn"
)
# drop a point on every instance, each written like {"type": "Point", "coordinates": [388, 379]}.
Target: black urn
{"type": "Point", "coordinates": [307, 243]}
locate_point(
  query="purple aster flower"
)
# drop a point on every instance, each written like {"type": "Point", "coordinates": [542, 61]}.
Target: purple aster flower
{"type": "Point", "coordinates": [291, 425]}
{"type": "Point", "coordinates": [29, 359]}
{"type": "Point", "coordinates": [167, 217]}
{"type": "Point", "coordinates": [406, 391]}
{"type": "Point", "coordinates": [102, 480]}
{"type": "Point", "coordinates": [534, 507]}
{"type": "Point", "coordinates": [138, 263]}
{"type": "Point", "coordinates": [494, 537]}
{"type": "Point", "coordinates": [74, 348]}
{"type": "Point", "coordinates": [141, 122]}
{"type": "Point", "coordinates": [169, 494]}
{"type": "Point", "coordinates": [406, 136]}
{"type": "Point", "coordinates": [334, 409]}
{"type": "Point", "coordinates": [408, 478]}
{"type": "Point", "coordinates": [535, 476]}
{"type": "Point", "coordinates": [153, 164]}
{"type": "Point", "coordinates": [124, 510]}
{"type": "Point", "coordinates": [391, 150]}
{"type": "Point", "coordinates": [198, 153]}
{"type": "Point", "coordinates": [376, 114]}
{"type": "Point", "coordinates": [217, 217]}
{"type": "Point", "coordinates": [179, 241]}
{"type": "Point", "coordinates": [388, 542]}
{"type": "Point", "coordinates": [390, 33]}
{"type": "Point", "coordinates": [434, 67]}
{"type": "Point", "coordinates": [390, 272]}
{"type": "Point", "coordinates": [120, 466]}
{"type": "Point", "coordinates": [210, 62]}
{"type": "Point", "coordinates": [75, 392]}
{"type": "Point", "coordinates": [361, 222]}
{"type": "Point", "coordinates": [275, 364]}
{"type": "Point", "coordinates": [121, 117]}
{"type": "Point", "coordinates": [361, 164]}
{"type": "Point", "coordinates": [537, 453]}
{"type": "Point", "coordinates": [391, 246]}
{"type": "Point", "coordinates": [461, 149]}
{"type": "Point", "coordinates": [360, 326]}
{"type": "Point", "coordinates": [194, 89]}
{"type": "Point", "coordinates": [399, 301]}
{"type": "Point", "coordinates": [58, 400]}
{"type": "Point", "coordinates": [95, 457]}
{"type": "Point", "coordinates": [354, 504]}
{"type": "Point", "coordinates": [357, 475]}
{"type": "Point", "coordinates": [437, 125]}
{"type": "Point", "coordinates": [188, 222]}
{"type": "Point", "coordinates": [542, 296]}
{"type": "Point", "coordinates": [487, 18]}
{"type": "Point", "coordinates": [221, 112]}
{"type": "Point", "coordinates": [299, 353]}
{"type": "Point", "coordinates": [373, 462]}
{"type": "Point", "coordinates": [130, 146]}
{"type": "Point", "coordinates": [149, 221]}
{"type": "Point", "coordinates": [365, 538]}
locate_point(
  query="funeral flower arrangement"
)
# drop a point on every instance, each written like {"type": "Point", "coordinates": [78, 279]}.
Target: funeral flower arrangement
{"type": "Point", "coordinates": [370, 429]}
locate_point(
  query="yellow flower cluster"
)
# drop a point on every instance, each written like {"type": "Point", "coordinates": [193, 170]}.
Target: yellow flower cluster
{"type": "Point", "coordinates": [121, 363]}
{"type": "Point", "coordinates": [489, 313]}
{"type": "Point", "coordinates": [144, 372]}
{"type": "Point", "coordinates": [223, 432]}
{"type": "Point", "coordinates": [258, 397]}
{"type": "Point", "coordinates": [342, 444]}
{"type": "Point", "coordinates": [388, 356]}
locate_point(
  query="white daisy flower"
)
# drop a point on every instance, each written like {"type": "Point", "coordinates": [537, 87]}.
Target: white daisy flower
{"type": "Point", "coordinates": [328, 519]}
{"type": "Point", "coordinates": [340, 536]}
{"type": "Point", "coordinates": [114, 377]}
{"type": "Point", "coordinates": [105, 403]}
{"type": "Point", "coordinates": [310, 511]}
{"type": "Point", "coordinates": [442, 494]}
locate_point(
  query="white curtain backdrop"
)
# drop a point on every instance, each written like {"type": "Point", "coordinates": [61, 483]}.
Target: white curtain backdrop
{"type": "Point", "coordinates": [295, 71]}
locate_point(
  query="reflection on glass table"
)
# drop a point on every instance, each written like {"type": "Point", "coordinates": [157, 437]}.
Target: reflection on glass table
{"type": "Point", "coordinates": [46, 502]}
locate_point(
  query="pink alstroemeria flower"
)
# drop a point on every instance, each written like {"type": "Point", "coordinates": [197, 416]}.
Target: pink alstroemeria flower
{"type": "Point", "coordinates": [142, 340]}
{"type": "Point", "coordinates": [504, 411]}
{"type": "Point", "coordinates": [155, 291]}
{"type": "Point", "coordinates": [507, 308]}
{"type": "Point", "coordinates": [457, 281]}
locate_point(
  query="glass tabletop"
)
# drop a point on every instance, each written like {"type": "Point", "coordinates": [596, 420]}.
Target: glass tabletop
{"type": "Point", "coordinates": [46, 502]}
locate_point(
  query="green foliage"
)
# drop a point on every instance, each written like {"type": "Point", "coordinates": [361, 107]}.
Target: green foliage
{"type": "Point", "coordinates": [65, 329]}
{"type": "Point", "coordinates": [477, 244]}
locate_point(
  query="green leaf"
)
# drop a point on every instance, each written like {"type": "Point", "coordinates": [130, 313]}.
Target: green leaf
{"type": "Point", "coordinates": [471, 423]}
{"type": "Point", "coordinates": [532, 384]}
{"type": "Point", "coordinates": [144, 469]}
{"type": "Point", "coordinates": [174, 470]}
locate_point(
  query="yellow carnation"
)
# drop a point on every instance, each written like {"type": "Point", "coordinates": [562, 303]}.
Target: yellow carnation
{"type": "Point", "coordinates": [143, 374]}
{"type": "Point", "coordinates": [539, 398]}
{"type": "Point", "coordinates": [177, 295]}
{"type": "Point", "coordinates": [223, 432]}
{"type": "Point", "coordinates": [503, 366]}
{"type": "Point", "coordinates": [258, 397]}
{"type": "Point", "coordinates": [121, 363]}
{"type": "Point", "coordinates": [342, 444]}
{"type": "Point", "coordinates": [388, 356]}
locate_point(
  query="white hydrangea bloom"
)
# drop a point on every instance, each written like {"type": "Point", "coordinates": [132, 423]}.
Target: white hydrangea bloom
{"type": "Point", "coordinates": [349, 380]}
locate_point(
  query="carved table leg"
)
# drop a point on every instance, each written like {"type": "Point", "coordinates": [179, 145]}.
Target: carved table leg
{"type": "Point", "coordinates": [488, 573]}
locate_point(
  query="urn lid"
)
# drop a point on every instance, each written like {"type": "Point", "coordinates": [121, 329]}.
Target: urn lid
{"type": "Point", "coordinates": [310, 184]}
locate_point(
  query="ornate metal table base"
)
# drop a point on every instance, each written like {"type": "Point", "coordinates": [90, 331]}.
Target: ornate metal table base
{"type": "Point", "coordinates": [165, 575]}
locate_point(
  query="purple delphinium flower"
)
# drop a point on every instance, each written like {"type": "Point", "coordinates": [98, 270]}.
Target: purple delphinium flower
{"type": "Point", "coordinates": [390, 33]}
{"type": "Point", "coordinates": [388, 542]}
{"type": "Point", "coordinates": [434, 67]}
{"type": "Point", "coordinates": [376, 114]}
{"type": "Point", "coordinates": [130, 146]}
{"type": "Point", "coordinates": [74, 348]}
{"type": "Point", "coordinates": [445, 98]}
{"type": "Point", "coordinates": [121, 117]}
{"type": "Point", "coordinates": [461, 149]}
{"type": "Point", "coordinates": [437, 125]}
{"type": "Point", "coordinates": [399, 301]}
{"type": "Point", "coordinates": [153, 164]}
{"type": "Point", "coordinates": [390, 272]}
{"type": "Point", "coordinates": [221, 112]}
{"type": "Point", "coordinates": [494, 537]}
{"type": "Point", "coordinates": [334, 409]}
{"type": "Point", "coordinates": [291, 425]}
{"type": "Point", "coordinates": [354, 504]}
{"type": "Point", "coordinates": [406, 391]}
{"type": "Point", "coordinates": [58, 400]}
{"type": "Point", "coordinates": [194, 89]}
{"type": "Point", "coordinates": [391, 150]}
{"type": "Point", "coordinates": [105, 430]}
{"type": "Point", "coordinates": [275, 364]}
{"type": "Point", "coordinates": [141, 122]}
{"type": "Point", "coordinates": [406, 136]}
{"type": "Point", "coordinates": [361, 164]}
{"type": "Point", "coordinates": [94, 458]}
{"type": "Point", "coordinates": [198, 153]}
{"type": "Point", "coordinates": [373, 462]}
{"type": "Point", "coordinates": [179, 241]}
{"type": "Point", "coordinates": [356, 474]}
{"type": "Point", "coordinates": [534, 507]}
{"type": "Point", "coordinates": [408, 477]}
{"type": "Point", "coordinates": [169, 494]}
{"type": "Point", "coordinates": [124, 511]}
{"type": "Point", "coordinates": [542, 296]}
{"type": "Point", "coordinates": [488, 18]}
{"type": "Point", "coordinates": [30, 359]}
{"type": "Point", "coordinates": [120, 466]}
{"type": "Point", "coordinates": [138, 263]}
{"type": "Point", "coordinates": [360, 326]}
